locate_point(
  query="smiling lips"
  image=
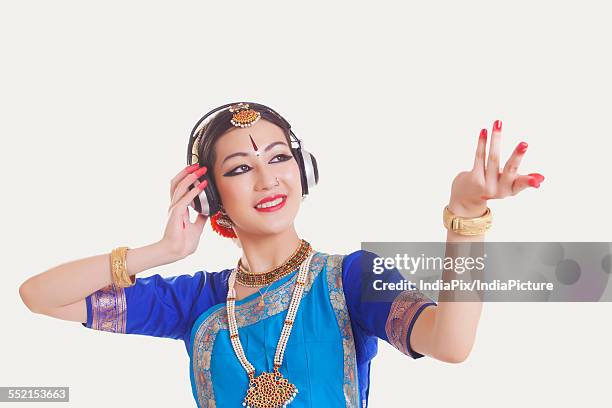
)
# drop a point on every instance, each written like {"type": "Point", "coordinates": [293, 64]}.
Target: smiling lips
{"type": "Point", "coordinates": [271, 203]}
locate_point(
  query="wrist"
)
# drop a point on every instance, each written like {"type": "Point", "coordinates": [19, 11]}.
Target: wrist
{"type": "Point", "coordinates": [160, 253]}
{"type": "Point", "coordinates": [467, 211]}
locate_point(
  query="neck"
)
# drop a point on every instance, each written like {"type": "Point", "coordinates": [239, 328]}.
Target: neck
{"type": "Point", "coordinates": [264, 252]}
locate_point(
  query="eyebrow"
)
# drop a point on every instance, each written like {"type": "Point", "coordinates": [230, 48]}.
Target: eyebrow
{"type": "Point", "coordinates": [270, 146]}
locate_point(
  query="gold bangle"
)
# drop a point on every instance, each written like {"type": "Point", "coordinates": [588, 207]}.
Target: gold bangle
{"type": "Point", "coordinates": [118, 261]}
{"type": "Point", "coordinates": [467, 226]}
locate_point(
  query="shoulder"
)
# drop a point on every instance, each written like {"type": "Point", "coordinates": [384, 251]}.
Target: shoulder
{"type": "Point", "coordinates": [201, 284]}
{"type": "Point", "coordinates": [347, 266]}
{"type": "Point", "coordinates": [213, 285]}
{"type": "Point", "coordinates": [346, 261]}
{"type": "Point", "coordinates": [358, 260]}
{"type": "Point", "coordinates": [196, 281]}
{"type": "Point", "coordinates": [215, 279]}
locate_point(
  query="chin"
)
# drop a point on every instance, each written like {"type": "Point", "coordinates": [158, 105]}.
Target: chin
{"type": "Point", "coordinates": [269, 225]}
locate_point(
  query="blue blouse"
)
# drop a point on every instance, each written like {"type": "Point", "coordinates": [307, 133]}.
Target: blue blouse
{"type": "Point", "coordinates": [332, 343]}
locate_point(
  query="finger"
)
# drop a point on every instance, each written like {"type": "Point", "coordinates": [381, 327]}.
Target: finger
{"type": "Point", "coordinates": [188, 197]}
{"type": "Point", "coordinates": [492, 166]}
{"type": "Point", "coordinates": [481, 148]}
{"type": "Point", "coordinates": [183, 185]}
{"type": "Point", "coordinates": [524, 181]}
{"type": "Point", "coordinates": [511, 168]}
{"type": "Point", "coordinates": [181, 175]}
{"type": "Point", "coordinates": [200, 222]}
{"type": "Point", "coordinates": [538, 176]}
{"type": "Point", "coordinates": [185, 218]}
{"type": "Point", "coordinates": [515, 159]}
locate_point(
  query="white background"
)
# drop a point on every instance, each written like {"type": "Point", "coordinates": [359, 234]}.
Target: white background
{"type": "Point", "coordinates": [97, 101]}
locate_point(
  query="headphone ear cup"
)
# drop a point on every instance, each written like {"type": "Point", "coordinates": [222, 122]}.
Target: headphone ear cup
{"type": "Point", "coordinates": [315, 168]}
{"type": "Point", "coordinates": [309, 171]}
{"type": "Point", "coordinates": [300, 161]}
{"type": "Point", "coordinates": [207, 202]}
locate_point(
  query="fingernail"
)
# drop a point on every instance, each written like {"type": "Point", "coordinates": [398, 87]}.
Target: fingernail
{"type": "Point", "coordinates": [538, 176]}
{"type": "Point", "coordinates": [497, 125]}
{"type": "Point", "coordinates": [202, 185]}
{"type": "Point", "coordinates": [534, 183]}
{"type": "Point", "coordinates": [522, 147]}
{"type": "Point", "coordinates": [483, 134]}
{"type": "Point", "coordinates": [201, 171]}
{"type": "Point", "coordinates": [192, 167]}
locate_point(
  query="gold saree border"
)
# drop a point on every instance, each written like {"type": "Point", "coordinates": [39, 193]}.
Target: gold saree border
{"type": "Point", "coordinates": [338, 301]}
{"type": "Point", "coordinates": [109, 309]}
{"type": "Point", "coordinates": [403, 310]}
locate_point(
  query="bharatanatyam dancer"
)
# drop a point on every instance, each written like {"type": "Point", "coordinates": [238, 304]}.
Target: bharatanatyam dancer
{"type": "Point", "coordinates": [287, 325]}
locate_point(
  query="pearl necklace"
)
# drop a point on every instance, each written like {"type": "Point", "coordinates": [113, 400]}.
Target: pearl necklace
{"type": "Point", "coordinates": [268, 390]}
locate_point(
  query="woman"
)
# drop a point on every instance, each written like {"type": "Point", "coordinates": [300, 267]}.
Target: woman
{"type": "Point", "coordinates": [287, 325]}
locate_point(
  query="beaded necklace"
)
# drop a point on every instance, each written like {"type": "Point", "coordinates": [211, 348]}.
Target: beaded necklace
{"type": "Point", "coordinates": [268, 390]}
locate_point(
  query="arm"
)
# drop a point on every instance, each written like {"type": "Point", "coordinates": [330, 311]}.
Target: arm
{"type": "Point", "coordinates": [60, 291]}
{"type": "Point", "coordinates": [447, 331]}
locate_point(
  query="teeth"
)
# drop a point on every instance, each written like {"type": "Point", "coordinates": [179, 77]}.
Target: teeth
{"type": "Point", "coordinates": [270, 203]}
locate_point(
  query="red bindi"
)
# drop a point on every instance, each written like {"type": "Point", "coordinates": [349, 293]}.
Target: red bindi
{"type": "Point", "coordinates": [253, 143]}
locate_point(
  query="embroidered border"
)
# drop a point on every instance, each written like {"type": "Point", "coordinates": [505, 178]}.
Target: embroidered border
{"type": "Point", "coordinates": [403, 310]}
{"type": "Point", "coordinates": [276, 301]}
{"type": "Point", "coordinates": [338, 301]}
{"type": "Point", "coordinates": [109, 309]}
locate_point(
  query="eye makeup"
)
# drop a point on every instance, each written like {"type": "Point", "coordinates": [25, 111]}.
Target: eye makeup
{"type": "Point", "coordinates": [283, 158]}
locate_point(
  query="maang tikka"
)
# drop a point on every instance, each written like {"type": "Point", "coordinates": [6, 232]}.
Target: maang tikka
{"type": "Point", "coordinates": [243, 116]}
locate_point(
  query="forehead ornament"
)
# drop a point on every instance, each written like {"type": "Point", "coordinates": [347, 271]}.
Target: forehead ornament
{"type": "Point", "coordinates": [243, 115]}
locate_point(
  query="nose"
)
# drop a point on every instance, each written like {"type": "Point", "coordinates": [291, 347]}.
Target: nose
{"type": "Point", "coordinates": [266, 179]}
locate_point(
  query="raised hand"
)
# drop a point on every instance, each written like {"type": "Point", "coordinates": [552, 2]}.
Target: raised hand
{"type": "Point", "coordinates": [181, 237]}
{"type": "Point", "coordinates": [471, 189]}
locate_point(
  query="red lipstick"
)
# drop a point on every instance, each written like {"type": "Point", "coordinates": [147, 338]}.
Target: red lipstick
{"type": "Point", "coordinates": [274, 197]}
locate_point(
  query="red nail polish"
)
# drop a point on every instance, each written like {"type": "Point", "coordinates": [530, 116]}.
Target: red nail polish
{"type": "Point", "coordinates": [201, 171]}
{"type": "Point", "coordinates": [483, 134]}
{"type": "Point", "coordinates": [497, 125]}
{"type": "Point", "coordinates": [202, 185]}
{"type": "Point", "coordinates": [537, 176]}
{"type": "Point", "coordinates": [534, 183]}
{"type": "Point", "coordinates": [192, 167]}
{"type": "Point", "coordinates": [522, 147]}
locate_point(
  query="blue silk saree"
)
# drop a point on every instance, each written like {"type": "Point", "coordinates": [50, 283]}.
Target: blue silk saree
{"type": "Point", "coordinates": [328, 355]}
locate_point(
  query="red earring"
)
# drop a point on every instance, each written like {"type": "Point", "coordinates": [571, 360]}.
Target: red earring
{"type": "Point", "coordinates": [222, 225]}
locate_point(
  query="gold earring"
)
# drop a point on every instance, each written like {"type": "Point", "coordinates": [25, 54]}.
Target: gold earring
{"type": "Point", "coordinates": [224, 220]}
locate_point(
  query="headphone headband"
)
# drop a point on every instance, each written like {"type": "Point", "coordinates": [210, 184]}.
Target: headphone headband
{"type": "Point", "coordinates": [208, 117]}
{"type": "Point", "coordinates": [209, 201]}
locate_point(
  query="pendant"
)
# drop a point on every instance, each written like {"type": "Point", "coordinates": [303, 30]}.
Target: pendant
{"type": "Point", "coordinates": [269, 390]}
{"type": "Point", "coordinates": [261, 302]}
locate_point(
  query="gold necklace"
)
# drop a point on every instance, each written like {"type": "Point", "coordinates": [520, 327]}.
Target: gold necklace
{"type": "Point", "coordinates": [251, 279]}
{"type": "Point", "coordinates": [261, 299]}
{"type": "Point", "coordinates": [268, 390]}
